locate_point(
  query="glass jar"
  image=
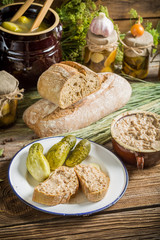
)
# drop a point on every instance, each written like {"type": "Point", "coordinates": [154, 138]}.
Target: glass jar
{"type": "Point", "coordinates": [137, 51]}
{"type": "Point", "coordinates": [8, 113]}
{"type": "Point", "coordinates": [9, 95]}
{"type": "Point", "coordinates": [100, 52]}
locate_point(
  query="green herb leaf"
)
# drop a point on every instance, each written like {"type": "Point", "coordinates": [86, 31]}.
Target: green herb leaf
{"type": "Point", "coordinates": [133, 15]}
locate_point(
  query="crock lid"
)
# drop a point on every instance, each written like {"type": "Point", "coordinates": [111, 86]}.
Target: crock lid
{"type": "Point", "coordinates": [8, 83]}
{"type": "Point", "coordinates": [100, 40]}
{"type": "Point", "coordinates": [145, 40]}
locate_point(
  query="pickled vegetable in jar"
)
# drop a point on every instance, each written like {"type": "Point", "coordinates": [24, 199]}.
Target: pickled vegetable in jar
{"type": "Point", "coordinates": [137, 51]}
{"type": "Point", "coordinates": [100, 52]}
{"type": "Point", "coordinates": [9, 96]}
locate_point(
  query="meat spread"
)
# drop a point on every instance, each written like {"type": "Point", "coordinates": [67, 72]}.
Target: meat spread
{"type": "Point", "coordinates": [140, 131]}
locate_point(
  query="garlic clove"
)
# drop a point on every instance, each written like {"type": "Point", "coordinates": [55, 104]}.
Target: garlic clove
{"type": "Point", "coordinates": [101, 25]}
{"type": "Point", "coordinates": [97, 57]}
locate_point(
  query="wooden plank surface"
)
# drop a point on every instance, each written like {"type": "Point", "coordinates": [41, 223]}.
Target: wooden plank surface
{"type": "Point", "coordinates": [120, 9]}
{"type": "Point", "coordinates": [126, 225]}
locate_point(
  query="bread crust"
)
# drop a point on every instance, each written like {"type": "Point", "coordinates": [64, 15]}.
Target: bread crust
{"type": "Point", "coordinates": [114, 93]}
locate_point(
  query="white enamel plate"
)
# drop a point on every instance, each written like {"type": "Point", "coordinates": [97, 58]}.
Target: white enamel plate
{"type": "Point", "coordinates": [23, 184]}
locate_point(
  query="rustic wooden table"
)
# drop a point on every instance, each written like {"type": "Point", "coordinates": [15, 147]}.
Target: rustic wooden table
{"type": "Point", "coordinates": [135, 216]}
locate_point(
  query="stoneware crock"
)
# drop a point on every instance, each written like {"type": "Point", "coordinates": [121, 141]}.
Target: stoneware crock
{"type": "Point", "coordinates": [131, 155]}
{"type": "Point", "coordinates": [27, 55]}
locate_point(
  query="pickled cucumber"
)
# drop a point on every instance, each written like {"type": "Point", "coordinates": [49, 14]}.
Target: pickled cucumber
{"type": "Point", "coordinates": [24, 19]}
{"type": "Point", "coordinates": [79, 154]}
{"type": "Point", "coordinates": [71, 140]}
{"type": "Point", "coordinates": [36, 163]}
{"type": "Point", "coordinates": [11, 26]}
{"type": "Point", "coordinates": [58, 153]}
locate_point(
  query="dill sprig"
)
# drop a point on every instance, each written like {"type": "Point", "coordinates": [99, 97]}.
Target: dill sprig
{"type": "Point", "coordinates": [76, 16]}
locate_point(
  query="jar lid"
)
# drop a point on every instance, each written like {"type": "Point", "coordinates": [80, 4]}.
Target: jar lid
{"type": "Point", "coordinates": [8, 83]}
{"type": "Point", "coordinates": [100, 40]}
{"type": "Point", "coordinates": [145, 40]}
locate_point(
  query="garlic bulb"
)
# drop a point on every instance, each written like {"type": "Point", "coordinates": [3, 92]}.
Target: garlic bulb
{"type": "Point", "coordinates": [101, 25]}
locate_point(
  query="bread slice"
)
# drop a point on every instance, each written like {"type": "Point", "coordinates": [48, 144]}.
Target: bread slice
{"type": "Point", "coordinates": [93, 181]}
{"type": "Point", "coordinates": [58, 188]}
{"type": "Point", "coordinates": [85, 70]}
{"type": "Point", "coordinates": [64, 84]}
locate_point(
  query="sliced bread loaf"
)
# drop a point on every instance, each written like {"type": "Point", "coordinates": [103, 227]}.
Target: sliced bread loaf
{"type": "Point", "coordinates": [64, 84]}
{"type": "Point", "coordinates": [58, 188]}
{"type": "Point", "coordinates": [46, 119]}
{"type": "Point", "coordinates": [93, 181]}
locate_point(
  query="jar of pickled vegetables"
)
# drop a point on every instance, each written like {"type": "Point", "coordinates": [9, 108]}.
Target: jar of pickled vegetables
{"type": "Point", "coordinates": [9, 96]}
{"type": "Point", "coordinates": [100, 52]}
{"type": "Point", "coordinates": [102, 42]}
{"type": "Point", "coordinates": [137, 51]}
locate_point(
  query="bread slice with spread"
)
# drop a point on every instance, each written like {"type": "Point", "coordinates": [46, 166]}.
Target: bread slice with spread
{"type": "Point", "coordinates": [93, 181]}
{"type": "Point", "coordinates": [58, 188]}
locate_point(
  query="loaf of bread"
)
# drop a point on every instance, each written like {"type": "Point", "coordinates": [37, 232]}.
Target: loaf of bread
{"type": "Point", "coordinates": [66, 83]}
{"type": "Point", "coordinates": [46, 119]}
{"type": "Point", "coordinates": [93, 181]}
{"type": "Point", "coordinates": [58, 188]}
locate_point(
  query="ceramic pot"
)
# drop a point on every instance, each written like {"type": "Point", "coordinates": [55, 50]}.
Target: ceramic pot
{"type": "Point", "coordinates": [130, 155]}
{"type": "Point", "coordinates": [28, 55]}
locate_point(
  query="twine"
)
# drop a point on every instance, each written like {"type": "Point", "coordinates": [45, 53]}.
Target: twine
{"type": "Point", "coordinates": [96, 48]}
{"type": "Point", "coordinates": [136, 50]}
{"type": "Point", "coordinates": [156, 53]}
{"type": "Point", "coordinates": [15, 95]}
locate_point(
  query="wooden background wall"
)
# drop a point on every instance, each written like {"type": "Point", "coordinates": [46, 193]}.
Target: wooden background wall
{"type": "Point", "coordinates": [119, 9]}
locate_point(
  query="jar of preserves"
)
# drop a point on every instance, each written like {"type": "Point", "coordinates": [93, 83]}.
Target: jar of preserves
{"type": "Point", "coordinates": [137, 51]}
{"type": "Point", "coordinates": [102, 42]}
{"type": "Point", "coordinates": [9, 96]}
{"type": "Point", "coordinates": [100, 52]}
